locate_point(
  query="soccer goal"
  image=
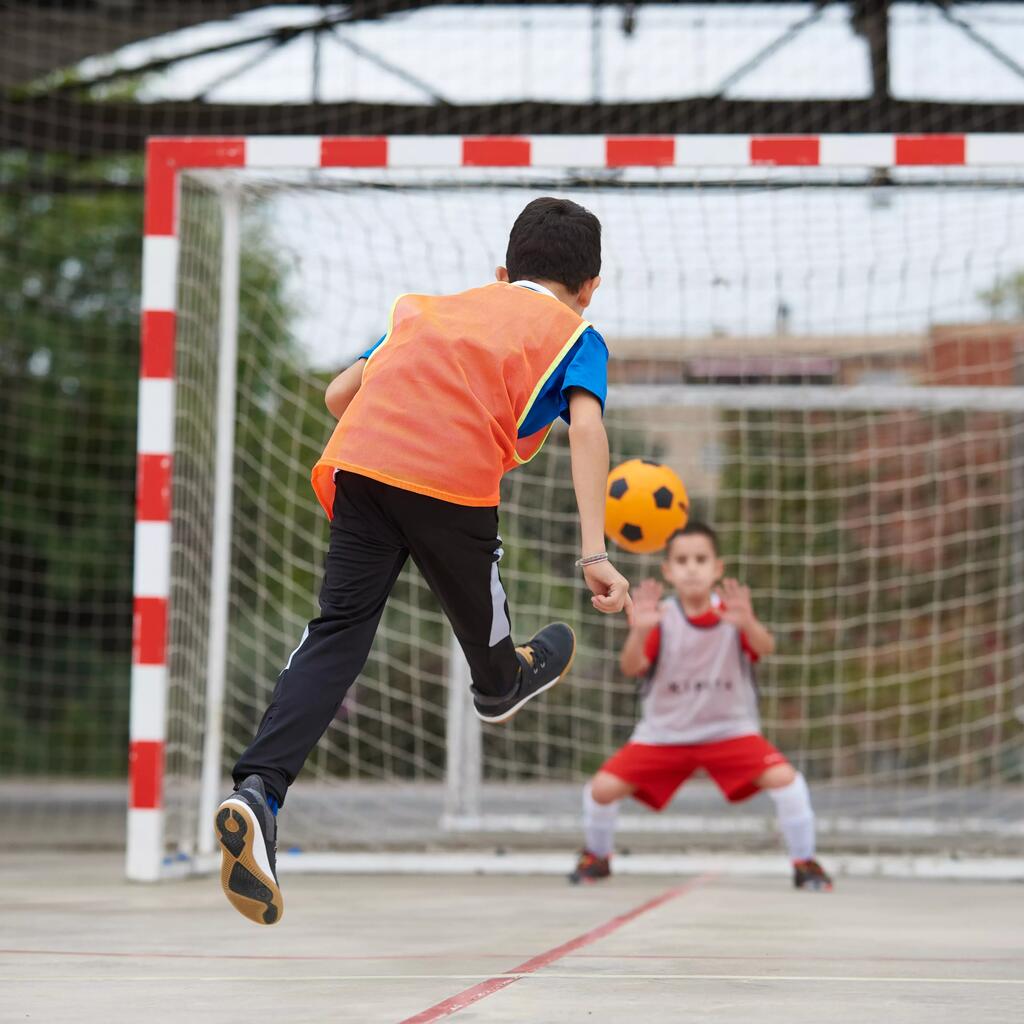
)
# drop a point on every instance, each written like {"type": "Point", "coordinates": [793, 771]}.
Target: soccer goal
{"type": "Point", "coordinates": [823, 336]}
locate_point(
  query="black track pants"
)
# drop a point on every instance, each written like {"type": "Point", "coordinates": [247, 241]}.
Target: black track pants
{"type": "Point", "coordinates": [374, 529]}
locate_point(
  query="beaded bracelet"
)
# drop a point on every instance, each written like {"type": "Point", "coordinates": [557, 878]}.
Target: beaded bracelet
{"type": "Point", "coordinates": [592, 559]}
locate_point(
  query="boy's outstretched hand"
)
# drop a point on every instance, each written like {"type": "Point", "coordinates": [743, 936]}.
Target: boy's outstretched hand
{"type": "Point", "coordinates": [609, 587]}
{"type": "Point", "coordinates": [647, 606]}
{"type": "Point", "coordinates": [738, 610]}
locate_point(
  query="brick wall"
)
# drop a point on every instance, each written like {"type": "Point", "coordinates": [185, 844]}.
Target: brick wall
{"type": "Point", "coordinates": [978, 355]}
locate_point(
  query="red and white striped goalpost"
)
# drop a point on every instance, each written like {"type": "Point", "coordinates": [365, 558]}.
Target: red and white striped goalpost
{"type": "Point", "coordinates": [166, 158]}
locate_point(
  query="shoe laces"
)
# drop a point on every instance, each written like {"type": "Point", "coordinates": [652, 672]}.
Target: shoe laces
{"type": "Point", "coordinates": [534, 656]}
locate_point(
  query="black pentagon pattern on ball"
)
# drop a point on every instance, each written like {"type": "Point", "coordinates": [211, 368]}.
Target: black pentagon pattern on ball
{"type": "Point", "coordinates": [618, 488]}
{"type": "Point", "coordinates": [631, 532]}
{"type": "Point", "coordinates": [663, 497]}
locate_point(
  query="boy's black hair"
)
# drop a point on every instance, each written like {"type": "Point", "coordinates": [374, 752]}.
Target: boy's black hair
{"type": "Point", "coordinates": [554, 240]}
{"type": "Point", "coordinates": [695, 528]}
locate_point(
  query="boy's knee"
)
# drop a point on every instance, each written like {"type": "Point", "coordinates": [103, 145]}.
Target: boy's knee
{"type": "Point", "coordinates": [607, 789]}
{"type": "Point", "coordinates": [777, 776]}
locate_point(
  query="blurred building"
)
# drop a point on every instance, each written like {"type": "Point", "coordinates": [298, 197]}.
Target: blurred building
{"type": "Point", "coordinates": [985, 354]}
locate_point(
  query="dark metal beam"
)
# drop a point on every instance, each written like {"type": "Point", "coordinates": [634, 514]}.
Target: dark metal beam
{"type": "Point", "coordinates": [870, 19]}
{"type": "Point", "coordinates": [277, 37]}
{"type": "Point", "coordinates": [81, 128]}
{"type": "Point", "coordinates": [38, 37]}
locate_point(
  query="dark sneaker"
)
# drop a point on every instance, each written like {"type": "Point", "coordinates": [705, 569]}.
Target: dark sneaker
{"type": "Point", "coordinates": [591, 868]}
{"type": "Point", "coordinates": [810, 875]}
{"type": "Point", "coordinates": [543, 661]}
{"type": "Point", "coordinates": [247, 832]}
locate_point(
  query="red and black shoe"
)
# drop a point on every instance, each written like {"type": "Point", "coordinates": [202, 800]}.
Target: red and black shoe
{"type": "Point", "coordinates": [591, 868]}
{"type": "Point", "coordinates": [810, 875]}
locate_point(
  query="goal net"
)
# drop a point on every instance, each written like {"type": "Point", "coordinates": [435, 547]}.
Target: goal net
{"type": "Point", "coordinates": [831, 359]}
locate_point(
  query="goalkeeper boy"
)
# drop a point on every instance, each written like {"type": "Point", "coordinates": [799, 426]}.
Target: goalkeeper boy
{"type": "Point", "coordinates": [697, 650]}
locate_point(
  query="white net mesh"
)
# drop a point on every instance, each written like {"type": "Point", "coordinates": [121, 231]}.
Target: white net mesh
{"type": "Point", "coordinates": [883, 536]}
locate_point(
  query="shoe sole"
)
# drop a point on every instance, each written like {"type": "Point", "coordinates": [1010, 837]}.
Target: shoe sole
{"type": "Point", "coordinates": [588, 879]}
{"type": "Point", "coordinates": [245, 874]}
{"type": "Point", "coordinates": [506, 715]}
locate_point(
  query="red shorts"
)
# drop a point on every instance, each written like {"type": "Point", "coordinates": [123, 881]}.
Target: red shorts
{"type": "Point", "coordinates": [658, 771]}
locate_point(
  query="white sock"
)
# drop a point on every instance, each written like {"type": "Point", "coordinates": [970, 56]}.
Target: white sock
{"type": "Point", "coordinates": [599, 823]}
{"type": "Point", "coordinates": [796, 817]}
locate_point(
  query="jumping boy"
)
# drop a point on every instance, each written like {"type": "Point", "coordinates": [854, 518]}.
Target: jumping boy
{"type": "Point", "coordinates": [461, 389]}
{"type": "Point", "coordinates": [699, 709]}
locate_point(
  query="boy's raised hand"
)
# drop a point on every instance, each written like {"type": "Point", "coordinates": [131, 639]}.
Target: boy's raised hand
{"type": "Point", "coordinates": [738, 609]}
{"type": "Point", "coordinates": [609, 587]}
{"type": "Point", "coordinates": [646, 601]}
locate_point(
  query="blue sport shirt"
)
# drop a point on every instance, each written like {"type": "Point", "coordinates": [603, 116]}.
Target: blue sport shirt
{"type": "Point", "coordinates": [585, 366]}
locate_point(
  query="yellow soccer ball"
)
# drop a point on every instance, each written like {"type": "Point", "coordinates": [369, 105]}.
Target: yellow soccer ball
{"type": "Point", "coordinates": [644, 505]}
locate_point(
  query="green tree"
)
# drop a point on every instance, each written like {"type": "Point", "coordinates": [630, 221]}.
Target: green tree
{"type": "Point", "coordinates": [69, 305]}
{"type": "Point", "coordinates": [1005, 299]}
{"type": "Point", "coordinates": [69, 286]}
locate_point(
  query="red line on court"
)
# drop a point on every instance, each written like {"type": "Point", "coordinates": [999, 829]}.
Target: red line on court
{"type": "Point", "coordinates": [487, 988]}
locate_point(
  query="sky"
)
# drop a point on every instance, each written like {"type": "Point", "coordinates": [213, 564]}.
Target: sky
{"type": "Point", "coordinates": [680, 259]}
{"type": "Point", "coordinates": [694, 261]}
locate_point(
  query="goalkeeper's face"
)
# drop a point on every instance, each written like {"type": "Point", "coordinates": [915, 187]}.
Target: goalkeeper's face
{"type": "Point", "coordinates": [691, 567]}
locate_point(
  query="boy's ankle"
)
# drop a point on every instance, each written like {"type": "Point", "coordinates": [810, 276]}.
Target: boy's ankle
{"type": "Point", "coordinates": [493, 700]}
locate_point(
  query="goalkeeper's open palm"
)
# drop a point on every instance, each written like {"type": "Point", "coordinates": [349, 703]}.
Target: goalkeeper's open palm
{"type": "Point", "coordinates": [647, 605]}
{"type": "Point", "coordinates": [609, 587]}
{"type": "Point", "coordinates": [737, 605]}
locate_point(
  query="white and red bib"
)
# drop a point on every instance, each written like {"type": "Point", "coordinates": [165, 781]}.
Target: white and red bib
{"type": "Point", "coordinates": [702, 687]}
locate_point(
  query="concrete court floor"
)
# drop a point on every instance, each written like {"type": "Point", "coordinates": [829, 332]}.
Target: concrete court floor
{"type": "Point", "coordinates": [78, 944]}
